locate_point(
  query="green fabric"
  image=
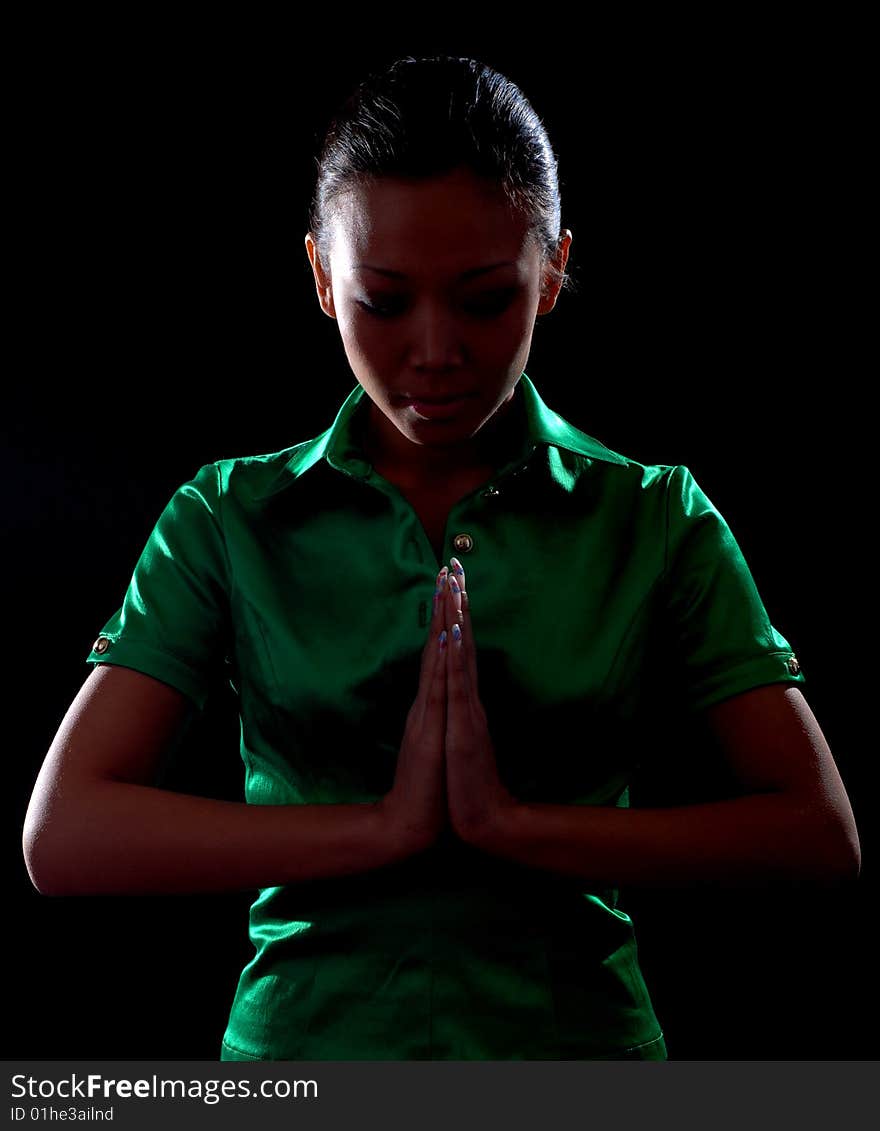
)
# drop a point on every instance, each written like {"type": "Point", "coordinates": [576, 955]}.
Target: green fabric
{"type": "Point", "coordinates": [602, 591]}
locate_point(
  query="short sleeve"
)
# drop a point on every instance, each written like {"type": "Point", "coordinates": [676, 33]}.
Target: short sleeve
{"type": "Point", "coordinates": [173, 623]}
{"type": "Point", "coordinates": [719, 631]}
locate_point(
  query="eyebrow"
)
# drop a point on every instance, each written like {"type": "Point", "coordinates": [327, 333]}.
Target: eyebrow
{"type": "Point", "coordinates": [469, 274]}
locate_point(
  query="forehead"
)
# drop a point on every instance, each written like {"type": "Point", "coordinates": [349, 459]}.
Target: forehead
{"type": "Point", "coordinates": [447, 223]}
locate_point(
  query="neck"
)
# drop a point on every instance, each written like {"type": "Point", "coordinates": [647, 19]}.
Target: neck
{"type": "Point", "coordinates": [399, 459]}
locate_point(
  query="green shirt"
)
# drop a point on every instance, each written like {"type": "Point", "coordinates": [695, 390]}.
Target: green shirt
{"type": "Point", "coordinates": [602, 589]}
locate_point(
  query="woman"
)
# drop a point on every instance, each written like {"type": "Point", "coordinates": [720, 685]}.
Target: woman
{"type": "Point", "coordinates": [437, 756]}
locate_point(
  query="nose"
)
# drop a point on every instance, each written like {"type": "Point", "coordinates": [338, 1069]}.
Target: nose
{"type": "Point", "coordinates": [436, 339]}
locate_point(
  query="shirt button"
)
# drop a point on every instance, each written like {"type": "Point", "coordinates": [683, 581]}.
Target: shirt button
{"type": "Point", "coordinates": [463, 543]}
{"type": "Point", "coordinates": [101, 644]}
{"type": "Point", "coordinates": [793, 665]}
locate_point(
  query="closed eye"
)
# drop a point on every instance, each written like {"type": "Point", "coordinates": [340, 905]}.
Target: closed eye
{"type": "Point", "coordinates": [378, 310]}
{"type": "Point", "coordinates": [492, 303]}
{"type": "Point", "coordinates": [487, 305]}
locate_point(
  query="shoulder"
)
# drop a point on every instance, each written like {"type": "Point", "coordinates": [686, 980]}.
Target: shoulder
{"type": "Point", "coordinates": [250, 479]}
{"type": "Point", "coordinates": [582, 463]}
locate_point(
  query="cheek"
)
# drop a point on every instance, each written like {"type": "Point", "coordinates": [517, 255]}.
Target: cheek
{"type": "Point", "coordinates": [367, 336]}
{"type": "Point", "coordinates": [366, 348]}
{"type": "Point", "coordinates": [507, 339]}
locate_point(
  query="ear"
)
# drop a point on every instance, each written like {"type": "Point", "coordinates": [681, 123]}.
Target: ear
{"type": "Point", "coordinates": [323, 283]}
{"type": "Point", "coordinates": [552, 279]}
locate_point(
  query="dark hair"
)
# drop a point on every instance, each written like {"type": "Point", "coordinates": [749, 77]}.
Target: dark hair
{"type": "Point", "coordinates": [421, 117]}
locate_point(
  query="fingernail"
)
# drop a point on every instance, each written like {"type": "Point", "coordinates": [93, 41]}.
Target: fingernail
{"type": "Point", "coordinates": [456, 566]}
{"type": "Point", "coordinates": [454, 586]}
{"type": "Point", "coordinates": [443, 638]}
{"type": "Point", "coordinates": [456, 632]}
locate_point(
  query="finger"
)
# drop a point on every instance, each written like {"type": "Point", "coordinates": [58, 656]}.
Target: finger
{"type": "Point", "coordinates": [456, 601]}
{"type": "Point", "coordinates": [455, 610]}
{"type": "Point", "coordinates": [434, 718]}
{"type": "Point", "coordinates": [437, 614]}
{"type": "Point", "coordinates": [437, 623]}
{"type": "Point", "coordinates": [457, 570]}
{"type": "Point", "coordinates": [469, 642]}
{"type": "Point", "coordinates": [457, 682]}
{"type": "Point", "coordinates": [432, 682]}
{"type": "Point", "coordinates": [437, 603]}
{"type": "Point", "coordinates": [453, 615]}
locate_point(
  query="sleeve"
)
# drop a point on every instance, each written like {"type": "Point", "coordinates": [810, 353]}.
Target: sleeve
{"type": "Point", "coordinates": [718, 628]}
{"type": "Point", "coordinates": [173, 623]}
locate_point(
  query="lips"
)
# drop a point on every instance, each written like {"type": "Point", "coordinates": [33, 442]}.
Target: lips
{"type": "Point", "coordinates": [447, 398]}
{"type": "Point", "coordinates": [437, 409]}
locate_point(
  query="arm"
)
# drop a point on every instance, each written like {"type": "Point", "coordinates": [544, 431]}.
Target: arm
{"type": "Point", "coordinates": [95, 825]}
{"type": "Point", "coordinates": [794, 824]}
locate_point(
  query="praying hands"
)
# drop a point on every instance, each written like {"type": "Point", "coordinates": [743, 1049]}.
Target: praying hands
{"type": "Point", "coordinates": [446, 767]}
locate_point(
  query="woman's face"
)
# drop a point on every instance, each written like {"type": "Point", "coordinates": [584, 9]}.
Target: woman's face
{"type": "Point", "coordinates": [435, 287]}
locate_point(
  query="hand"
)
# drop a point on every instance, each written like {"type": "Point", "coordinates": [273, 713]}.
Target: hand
{"type": "Point", "coordinates": [416, 807]}
{"type": "Point", "coordinates": [476, 794]}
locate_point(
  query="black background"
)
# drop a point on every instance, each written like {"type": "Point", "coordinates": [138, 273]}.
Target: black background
{"type": "Point", "coordinates": [164, 315]}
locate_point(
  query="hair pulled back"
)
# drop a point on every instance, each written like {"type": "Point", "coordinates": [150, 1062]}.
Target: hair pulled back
{"type": "Point", "coordinates": [423, 117]}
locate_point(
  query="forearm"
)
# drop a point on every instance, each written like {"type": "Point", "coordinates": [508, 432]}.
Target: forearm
{"type": "Point", "coordinates": [765, 838]}
{"type": "Point", "coordinates": [124, 838]}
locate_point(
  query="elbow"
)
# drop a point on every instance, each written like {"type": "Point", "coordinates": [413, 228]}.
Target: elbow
{"type": "Point", "coordinates": [850, 862]}
{"type": "Point", "coordinates": [835, 857]}
{"type": "Point", "coordinates": [847, 854]}
{"type": "Point", "coordinates": [40, 873]}
{"type": "Point", "coordinates": [42, 864]}
{"type": "Point", "coordinates": [842, 868]}
{"type": "Point", "coordinates": [45, 856]}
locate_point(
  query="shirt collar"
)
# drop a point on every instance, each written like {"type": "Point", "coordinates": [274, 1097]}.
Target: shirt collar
{"type": "Point", "coordinates": [339, 446]}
